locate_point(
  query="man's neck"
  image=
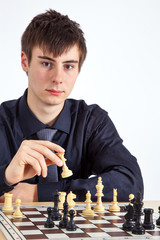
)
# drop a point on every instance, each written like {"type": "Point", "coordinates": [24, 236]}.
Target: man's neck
{"type": "Point", "coordinates": [46, 114]}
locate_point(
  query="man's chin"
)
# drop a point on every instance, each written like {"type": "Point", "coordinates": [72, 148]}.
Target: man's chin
{"type": "Point", "coordinates": [55, 103]}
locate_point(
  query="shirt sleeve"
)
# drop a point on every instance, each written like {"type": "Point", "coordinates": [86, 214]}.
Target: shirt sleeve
{"type": "Point", "coordinates": [3, 186]}
{"type": "Point", "coordinates": [5, 158]}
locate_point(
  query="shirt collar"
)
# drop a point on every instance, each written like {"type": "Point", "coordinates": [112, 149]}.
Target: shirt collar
{"type": "Point", "coordinates": [30, 124]}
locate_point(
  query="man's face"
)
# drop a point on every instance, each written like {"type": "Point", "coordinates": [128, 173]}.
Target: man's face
{"type": "Point", "coordinates": [50, 79]}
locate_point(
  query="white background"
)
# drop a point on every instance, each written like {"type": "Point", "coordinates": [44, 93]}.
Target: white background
{"type": "Point", "coordinates": [121, 72]}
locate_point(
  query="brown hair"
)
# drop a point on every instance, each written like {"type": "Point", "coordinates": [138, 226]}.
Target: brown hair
{"type": "Point", "coordinates": [53, 32]}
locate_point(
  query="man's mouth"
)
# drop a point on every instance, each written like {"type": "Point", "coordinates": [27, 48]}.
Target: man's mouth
{"type": "Point", "coordinates": [54, 92]}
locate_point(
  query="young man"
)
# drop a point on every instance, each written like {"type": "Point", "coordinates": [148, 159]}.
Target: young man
{"type": "Point", "coordinates": [53, 51]}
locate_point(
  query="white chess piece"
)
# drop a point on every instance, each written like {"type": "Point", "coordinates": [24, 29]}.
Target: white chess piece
{"type": "Point", "coordinates": [62, 200]}
{"type": "Point", "coordinates": [88, 211]}
{"type": "Point", "coordinates": [71, 202]}
{"type": "Point", "coordinates": [114, 207]}
{"type": "Point", "coordinates": [65, 171]}
{"type": "Point", "coordinates": [18, 213]}
{"type": "Point", "coordinates": [99, 207]}
{"type": "Point", "coordinates": [131, 196]}
{"type": "Point", "coordinates": [7, 202]}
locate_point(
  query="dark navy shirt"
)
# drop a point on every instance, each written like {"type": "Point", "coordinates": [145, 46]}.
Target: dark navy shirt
{"type": "Point", "coordinates": [92, 146]}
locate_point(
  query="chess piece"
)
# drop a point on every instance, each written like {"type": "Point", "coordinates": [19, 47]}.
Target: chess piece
{"type": "Point", "coordinates": [64, 221]}
{"type": "Point", "coordinates": [55, 213]}
{"type": "Point", "coordinates": [148, 219]}
{"type": "Point", "coordinates": [99, 207]}
{"type": "Point", "coordinates": [114, 207]}
{"type": "Point", "coordinates": [158, 220]}
{"type": "Point", "coordinates": [137, 205]}
{"type": "Point", "coordinates": [18, 213]}
{"type": "Point", "coordinates": [49, 222]}
{"type": "Point", "coordinates": [65, 171]}
{"type": "Point", "coordinates": [71, 225]}
{"type": "Point", "coordinates": [8, 207]}
{"type": "Point", "coordinates": [128, 225]}
{"type": "Point", "coordinates": [62, 200]}
{"type": "Point", "coordinates": [71, 202]}
{"type": "Point", "coordinates": [131, 197]}
{"type": "Point", "coordinates": [88, 211]}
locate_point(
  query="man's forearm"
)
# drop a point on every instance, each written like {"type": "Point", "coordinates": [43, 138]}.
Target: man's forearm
{"type": "Point", "coordinates": [120, 178]}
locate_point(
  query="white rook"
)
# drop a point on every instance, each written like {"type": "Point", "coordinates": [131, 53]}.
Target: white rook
{"type": "Point", "coordinates": [8, 202]}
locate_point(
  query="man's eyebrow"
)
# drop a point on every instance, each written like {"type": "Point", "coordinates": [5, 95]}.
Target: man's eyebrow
{"type": "Point", "coordinates": [71, 61]}
{"type": "Point", "coordinates": [46, 58]}
{"type": "Point", "coordinates": [51, 59]}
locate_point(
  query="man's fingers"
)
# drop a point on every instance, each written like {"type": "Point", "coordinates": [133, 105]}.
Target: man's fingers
{"type": "Point", "coordinates": [30, 160]}
{"type": "Point", "coordinates": [44, 148]}
{"type": "Point", "coordinates": [58, 162]}
{"type": "Point", "coordinates": [51, 145]}
{"type": "Point", "coordinates": [48, 162]}
{"type": "Point", "coordinates": [39, 159]}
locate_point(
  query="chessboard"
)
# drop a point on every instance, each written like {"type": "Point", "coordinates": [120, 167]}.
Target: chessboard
{"type": "Point", "coordinates": [105, 225]}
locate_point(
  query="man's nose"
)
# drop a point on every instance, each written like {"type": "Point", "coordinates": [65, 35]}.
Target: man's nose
{"type": "Point", "coordinates": [57, 76]}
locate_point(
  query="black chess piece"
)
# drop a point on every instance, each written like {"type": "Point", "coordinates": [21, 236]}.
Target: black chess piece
{"type": "Point", "coordinates": [148, 219]}
{"type": "Point", "coordinates": [49, 222]}
{"type": "Point", "coordinates": [64, 221]}
{"type": "Point", "coordinates": [137, 205]}
{"type": "Point", "coordinates": [56, 216]}
{"type": "Point", "coordinates": [128, 225]}
{"type": "Point", "coordinates": [158, 220]}
{"type": "Point", "coordinates": [71, 225]}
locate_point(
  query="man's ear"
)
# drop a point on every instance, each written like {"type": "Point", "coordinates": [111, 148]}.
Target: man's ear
{"type": "Point", "coordinates": [24, 62]}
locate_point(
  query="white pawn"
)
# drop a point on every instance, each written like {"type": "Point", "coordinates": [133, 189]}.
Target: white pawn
{"type": "Point", "coordinates": [88, 211]}
{"type": "Point", "coordinates": [18, 213]}
{"type": "Point", "coordinates": [8, 207]}
{"type": "Point", "coordinates": [131, 196]}
{"type": "Point", "coordinates": [99, 207]}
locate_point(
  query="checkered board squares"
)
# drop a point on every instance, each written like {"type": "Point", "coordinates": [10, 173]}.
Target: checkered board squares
{"type": "Point", "coordinates": [100, 226]}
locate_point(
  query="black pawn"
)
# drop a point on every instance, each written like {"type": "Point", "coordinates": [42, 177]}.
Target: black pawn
{"type": "Point", "coordinates": [128, 225]}
{"type": "Point", "coordinates": [148, 219]}
{"type": "Point", "coordinates": [56, 216]}
{"type": "Point", "coordinates": [49, 223]}
{"type": "Point", "coordinates": [64, 221]}
{"type": "Point", "coordinates": [137, 205]}
{"type": "Point", "coordinates": [71, 225]}
{"type": "Point", "coordinates": [158, 220]}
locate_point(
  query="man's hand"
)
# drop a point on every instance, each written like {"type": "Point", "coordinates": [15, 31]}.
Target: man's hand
{"type": "Point", "coordinates": [32, 159]}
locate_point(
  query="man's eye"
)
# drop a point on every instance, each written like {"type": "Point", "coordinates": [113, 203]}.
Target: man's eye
{"type": "Point", "coordinates": [46, 64]}
{"type": "Point", "coordinates": [68, 66]}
